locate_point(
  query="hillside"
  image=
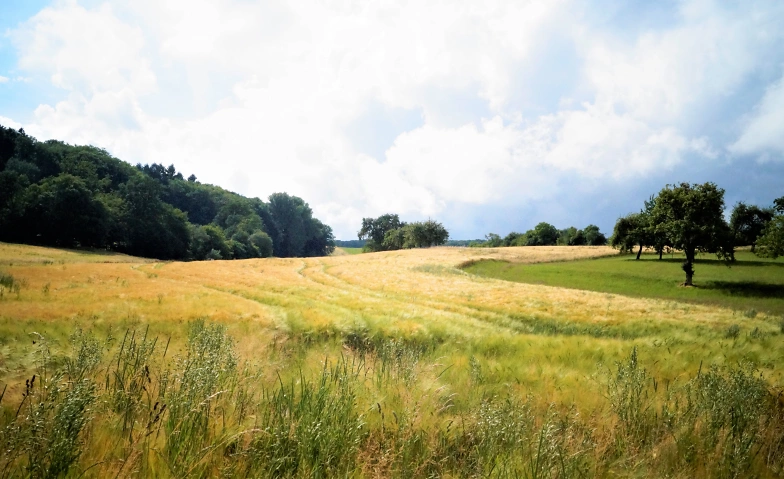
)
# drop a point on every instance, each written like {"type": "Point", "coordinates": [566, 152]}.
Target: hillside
{"type": "Point", "coordinates": [56, 194]}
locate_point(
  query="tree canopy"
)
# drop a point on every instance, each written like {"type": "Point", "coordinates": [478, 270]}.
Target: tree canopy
{"type": "Point", "coordinates": [545, 234]}
{"type": "Point", "coordinates": [387, 233]}
{"type": "Point", "coordinates": [52, 193]}
{"type": "Point", "coordinates": [748, 222]}
{"type": "Point", "coordinates": [632, 231]}
{"type": "Point", "coordinates": [770, 243]}
{"type": "Point", "coordinates": [374, 231]}
{"type": "Point", "coordinates": [691, 217]}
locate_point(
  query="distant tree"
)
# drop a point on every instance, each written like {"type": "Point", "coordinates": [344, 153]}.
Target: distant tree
{"type": "Point", "coordinates": [25, 168]}
{"type": "Point", "coordinates": [692, 219]}
{"type": "Point", "coordinates": [513, 239]}
{"type": "Point", "coordinates": [747, 223]}
{"type": "Point", "coordinates": [192, 178]}
{"type": "Point", "coordinates": [571, 236]}
{"type": "Point", "coordinates": [288, 214]}
{"type": "Point", "coordinates": [62, 211]}
{"type": "Point", "coordinates": [206, 239]}
{"type": "Point", "coordinates": [419, 234]}
{"type": "Point", "coordinates": [593, 237]}
{"type": "Point", "coordinates": [543, 234]}
{"type": "Point", "coordinates": [493, 240]}
{"type": "Point", "coordinates": [293, 229]}
{"type": "Point", "coordinates": [654, 238]}
{"type": "Point", "coordinates": [631, 231]}
{"type": "Point", "coordinates": [771, 243]}
{"type": "Point", "coordinates": [435, 233]}
{"type": "Point", "coordinates": [153, 228]}
{"type": "Point", "coordinates": [8, 138]}
{"type": "Point", "coordinates": [375, 229]}
{"type": "Point", "coordinates": [262, 242]}
{"type": "Point", "coordinates": [394, 239]}
{"type": "Point", "coordinates": [12, 205]}
{"type": "Point", "coordinates": [778, 205]}
{"type": "Point", "coordinates": [320, 240]}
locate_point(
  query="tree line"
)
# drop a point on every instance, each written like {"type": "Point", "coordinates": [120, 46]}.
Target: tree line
{"type": "Point", "coordinates": [545, 234]}
{"type": "Point", "coordinates": [690, 218]}
{"type": "Point", "coordinates": [387, 233]}
{"type": "Point", "coordinates": [56, 194]}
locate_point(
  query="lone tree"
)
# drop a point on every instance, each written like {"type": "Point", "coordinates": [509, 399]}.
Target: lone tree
{"type": "Point", "coordinates": [691, 217]}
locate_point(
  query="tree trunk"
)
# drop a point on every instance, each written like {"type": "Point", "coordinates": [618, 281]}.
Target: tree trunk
{"type": "Point", "coordinates": [753, 245]}
{"type": "Point", "coordinates": [639, 252]}
{"type": "Point", "coordinates": [688, 266]}
{"type": "Point", "coordinates": [661, 251]}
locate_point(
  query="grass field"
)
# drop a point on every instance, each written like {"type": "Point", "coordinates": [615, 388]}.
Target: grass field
{"type": "Point", "coordinates": [394, 364]}
{"type": "Point", "coordinates": [348, 251]}
{"type": "Point", "coordinates": [750, 285]}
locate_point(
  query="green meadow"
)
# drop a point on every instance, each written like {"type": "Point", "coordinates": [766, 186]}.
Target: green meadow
{"type": "Point", "coordinates": [750, 285]}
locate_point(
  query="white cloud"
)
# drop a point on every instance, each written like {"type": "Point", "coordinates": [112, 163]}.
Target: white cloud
{"type": "Point", "coordinates": [9, 123]}
{"type": "Point", "coordinates": [256, 96]}
{"type": "Point", "coordinates": [3, 79]}
{"type": "Point", "coordinates": [763, 133]}
{"type": "Point", "coordinates": [84, 50]}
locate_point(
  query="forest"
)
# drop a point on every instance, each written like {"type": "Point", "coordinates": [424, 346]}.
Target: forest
{"type": "Point", "coordinates": [56, 194]}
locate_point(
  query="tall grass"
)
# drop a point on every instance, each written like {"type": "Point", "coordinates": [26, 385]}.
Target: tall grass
{"type": "Point", "coordinates": [370, 407]}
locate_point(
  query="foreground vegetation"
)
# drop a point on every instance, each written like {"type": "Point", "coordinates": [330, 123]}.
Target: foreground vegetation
{"type": "Point", "coordinates": [375, 365]}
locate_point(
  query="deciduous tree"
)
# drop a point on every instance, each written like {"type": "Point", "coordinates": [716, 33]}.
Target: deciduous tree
{"type": "Point", "coordinates": [631, 231]}
{"type": "Point", "coordinates": [691, 217]}
{"type": "Point", "coordinates": [747, 223]}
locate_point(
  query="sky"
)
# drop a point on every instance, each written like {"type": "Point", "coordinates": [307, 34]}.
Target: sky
{"type": "Point", "coordinates": [486, 116]}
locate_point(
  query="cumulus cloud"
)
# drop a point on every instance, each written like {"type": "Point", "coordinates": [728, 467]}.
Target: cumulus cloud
{"type": "Point", "coordinates": [763, 133]}
{"type": "Point", "coordinates": [514, 99]}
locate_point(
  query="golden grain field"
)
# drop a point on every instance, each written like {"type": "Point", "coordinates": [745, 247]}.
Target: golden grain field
{"type": "Point", "coordinates": [551, 345]}
{"type": "Point", "coordinates": [419, 293]}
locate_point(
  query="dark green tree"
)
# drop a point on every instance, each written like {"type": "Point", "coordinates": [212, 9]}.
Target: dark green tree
{"type": "Point", "coordinates": [778, 205]}
{"type": "Point", "coordinates": [209, 242]}
{"type": "Point", "coordinates": [320, 240]}
{"type": "Point", "coordinates": [375, 229]}
{"type": "Point", "coordinates": [424, 234]}
{"type": "Point", "coordinates": [654, 238]}
{"type": "Point", "coordinates": [262, 242]}
{"type": "Point", "coordinates": [593, 237]}
{"type": "Point", "coordinates": [493, 240]}
{"type": "Point", "coordinates": [691, 216]}
{"type": "Point", "coordinates": [748, 222]}
{"type": "Point", "coordinates": [152, 228]}
{"type": "Point", "coordinates": [631, 231]}
{"type": "Point", "coordinates": [771, 243]}
{"type": "Point", "coordinates": [62, 211]}
{"type": "Point", "coordinates": [571, 236]}
{"type": "Point", "coordinates": [293, 229]}
{"type": "Point", "coordinates": [394, 239]}
{"type": "Point", "coordinates": [543, 234]}
{"type": "Point", "coordinates": [512, 239]}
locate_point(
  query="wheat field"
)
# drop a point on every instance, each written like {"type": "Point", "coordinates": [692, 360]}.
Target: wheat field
{"type": "Point", "coordinates": [461, 347]}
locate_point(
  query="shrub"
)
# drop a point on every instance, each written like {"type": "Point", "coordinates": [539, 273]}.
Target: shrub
{"type": "Point", "coordinates": [732, 332]}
